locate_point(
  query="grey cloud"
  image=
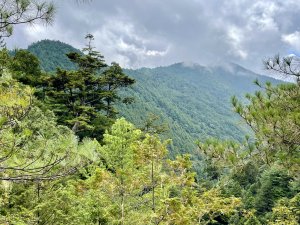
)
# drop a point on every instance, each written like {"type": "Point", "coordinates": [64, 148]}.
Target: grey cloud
{"type": "Point", "coordinates": [140, 33]}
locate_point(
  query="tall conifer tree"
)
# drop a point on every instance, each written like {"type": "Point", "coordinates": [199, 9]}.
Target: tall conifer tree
{"type": "Point", "coordinates": [83, 99]}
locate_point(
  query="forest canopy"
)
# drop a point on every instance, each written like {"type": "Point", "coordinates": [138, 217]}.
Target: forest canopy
{"type": "Point", "coordinates": [66, 157]}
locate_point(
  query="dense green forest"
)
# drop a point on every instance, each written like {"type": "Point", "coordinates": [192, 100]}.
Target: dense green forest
{"type": "Point", "coordinates": [67, 157]}
{"type": "Point", "coordinates": [193, 101]}
{"type": "Point", "coordinates": [54, 50]}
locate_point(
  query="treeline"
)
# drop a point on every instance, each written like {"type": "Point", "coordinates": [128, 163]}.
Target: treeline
{"type": "Point", "coordinates": [118, 176]}
{"type": "Point", "coordinates": [66, 159]}
{"type": "Point", "coordinates": [192, 101]}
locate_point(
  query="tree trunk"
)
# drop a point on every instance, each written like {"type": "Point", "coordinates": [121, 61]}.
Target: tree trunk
{"type": "Point", "coordinates": [153, 185]}
{"type": "Point", "coordinates": [122, 209]}
{"type": "Point", "coordinates": [38, 201]}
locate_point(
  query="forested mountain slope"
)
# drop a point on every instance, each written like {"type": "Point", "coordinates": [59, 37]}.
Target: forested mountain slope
{"type": "Point", "coordinates": [193, 100]}
{"type": "Point", "coordinates": [52, 54]}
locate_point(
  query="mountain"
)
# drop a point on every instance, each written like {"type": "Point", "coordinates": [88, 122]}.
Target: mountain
{"type": "Point", "coordinates": [192, 99]}
{"type": "Point", "coordinates": [52, 54]}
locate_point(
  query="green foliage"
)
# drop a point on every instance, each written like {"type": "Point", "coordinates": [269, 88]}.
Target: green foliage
{"type": "Point", "coordinates": [274, 184]}
{"type": "Point", "coordinates": [286, 211]}
{"type": "Point", "coordinates": [4, 60]}
{"type": "Point", "coordinates": [192, 101]}
{"type": "Point", "coordinates": [33, 147]}
{"type": "Point", "coordinates": [119, 144]}
{"type": "Point", "coordinates": [14, 12]}
{"type": "Point", "coordinates": [83, 99]}
{"type": "Point", "coordinates": [275, 119]}
{"type": "Point", "coordinates": [26, 68]}
{"type": "Point", "coordinates": [34, 150]}
{"type": "Point", "coordinates": [263, 171]}
{"type": "Point", "coordinates": [128, 178]}
{"type": "Point", "coordinates": [113, 79]}
{"type": "Point", "coordinates": [119, 192]}
{"type": "Point", "coordinates": [52, 55]}
{"type": "Point", "coordinates": [251, 219]}
{"type": "Point", "coordinates": [118, 152]}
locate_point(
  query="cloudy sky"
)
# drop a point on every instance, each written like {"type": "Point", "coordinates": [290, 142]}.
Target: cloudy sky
{"type": "Point", "coordinates": [150, 33]}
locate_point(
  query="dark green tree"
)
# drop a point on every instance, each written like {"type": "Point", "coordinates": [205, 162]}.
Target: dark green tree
{"type": "Point", "coordinates": [83, 99]}
{"type": "Point", "coordinates": [26, 68]}
{"type": "Point", "coordinates": [274, 185]}
{"type": "Point", "coordinates": [113, 79]}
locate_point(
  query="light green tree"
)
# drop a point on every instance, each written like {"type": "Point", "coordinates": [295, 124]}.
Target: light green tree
{"type": "Point", "coordinates": [118, 152]}
{"type": "Point", "coordinates": [33, 147]}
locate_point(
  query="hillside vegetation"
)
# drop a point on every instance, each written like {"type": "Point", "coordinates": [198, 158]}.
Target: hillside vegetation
{"type": "Point", "coordinates": [68, 157]}
{"type": "Point", "coordinates": [65, 154]}
{"type": "Point", "coordinates": [194, 101]}
{"type": "Point", "coordinates": [52, 54]}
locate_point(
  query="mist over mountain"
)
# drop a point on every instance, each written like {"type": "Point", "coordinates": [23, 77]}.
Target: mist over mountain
{"type": "Point", "coordinates": [192, 99]}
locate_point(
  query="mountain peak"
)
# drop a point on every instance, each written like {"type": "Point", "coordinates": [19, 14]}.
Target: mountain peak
{"type": "Point", "coordinates": [52, 54]}
{"type": "Point", "coordinates": [187, 64]}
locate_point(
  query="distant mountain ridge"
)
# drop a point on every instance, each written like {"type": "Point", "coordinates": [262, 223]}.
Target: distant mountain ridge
{"type": "Point", "coordinates": [194, 100]}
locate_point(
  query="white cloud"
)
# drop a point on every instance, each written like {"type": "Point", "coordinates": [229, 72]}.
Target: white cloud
{"type": "Point", "coordinates": [118, 39]}
{"type": "Point", "coordinates": [261, 15]}
{"type": "Point", "coordinates": [154, 32]}
{"type": "Point", "coordinates": [236, 38]}
{"type": "Point", "coordinates": [292, 39]}
{"type": "Point", "coordinates": [156, 53]}
{"type": "Point", "coordinates": [55, 32]}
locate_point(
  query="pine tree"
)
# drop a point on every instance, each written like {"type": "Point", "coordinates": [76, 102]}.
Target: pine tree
{"type": "Point", "coordinates": [83, 99]}
{"type": "Point", "coordinates": [118, 151]}
{"type": "Point", "coordinates": [113, 79]}
{"type": "Point", "coordinates": [32, 146]}
{"type": "Point", "coordinates": [14, 12]}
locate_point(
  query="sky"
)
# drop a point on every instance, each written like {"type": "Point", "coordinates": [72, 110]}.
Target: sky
{"type": "Point", "coordinates": [151, 33]}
